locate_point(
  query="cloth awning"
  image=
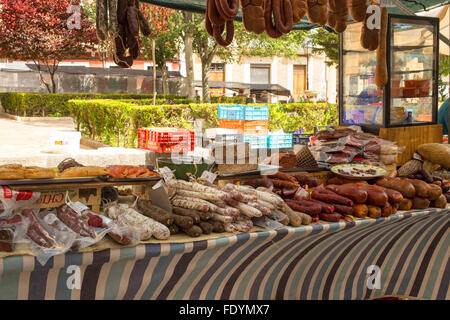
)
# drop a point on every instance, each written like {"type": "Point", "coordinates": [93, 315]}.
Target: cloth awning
{"type": "Point", "coordinates": [253, 87]}
{"type": "Point", "coordinates": [200, 5]}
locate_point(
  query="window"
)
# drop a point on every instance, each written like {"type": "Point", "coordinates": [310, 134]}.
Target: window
{"type": "Point", "coordinates": [217, 67]}
{"type": "Point", "coordinates": [260, 73]}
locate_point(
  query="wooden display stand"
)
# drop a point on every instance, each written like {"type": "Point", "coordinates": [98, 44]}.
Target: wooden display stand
{"type": "Point", "coordinates": [411, 137]}
{"type": "Point", "coordinates": [90, 193]}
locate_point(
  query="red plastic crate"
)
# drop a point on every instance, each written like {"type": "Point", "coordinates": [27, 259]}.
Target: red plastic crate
{"type": "Point", "coordinates": [166, 139]}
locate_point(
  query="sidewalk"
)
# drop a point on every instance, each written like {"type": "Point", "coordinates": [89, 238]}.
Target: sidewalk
{"type": "Point", "coordinates": [28, 143]}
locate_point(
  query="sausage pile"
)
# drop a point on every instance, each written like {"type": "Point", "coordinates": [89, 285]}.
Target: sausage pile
{"type": "Point", "coordinates": [232, 206]}
{"type": "Point", "coordinates": [119, 22]}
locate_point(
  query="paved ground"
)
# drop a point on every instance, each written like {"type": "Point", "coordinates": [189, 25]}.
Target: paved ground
{"type": "Point", "coordinates": [28, 143]}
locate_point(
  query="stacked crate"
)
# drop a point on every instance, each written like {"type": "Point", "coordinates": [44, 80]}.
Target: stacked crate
{"type": "Point", "coordinates": [164, 140]}
{"type": "Point", "coordinates": [251, 121]}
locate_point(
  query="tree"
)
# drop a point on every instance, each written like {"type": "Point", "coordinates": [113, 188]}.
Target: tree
{"type": "Point", "coordinates": [166, 44]}
{"type": "Point", "coordinates": [187, 34]}
{"type": "Point", "coordinates": [37, 30]}
{"type": "Point", "coordinates": [327, 42]}
{"type": "Point", "coordinates": [253, 45]}
{"type": "Point", "coordinates": [444, 71]}
{"type": "Point", "coordinates": [207, 48]}
{"type": "Point", "coordinates": [158, 18]}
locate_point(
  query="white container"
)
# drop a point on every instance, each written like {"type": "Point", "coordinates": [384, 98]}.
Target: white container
{"type": "Point", "coordinates": [65, 141]}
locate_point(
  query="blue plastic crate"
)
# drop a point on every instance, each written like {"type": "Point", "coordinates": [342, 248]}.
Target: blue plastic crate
{"type": "Point", "coordinates": [256, 141]}
{"type": "Point", "coordinates": [231, 112]}
{"type": "Point", "coordinates": [279, 141]}
{"type": "Point", "coordinates": [253, 113]}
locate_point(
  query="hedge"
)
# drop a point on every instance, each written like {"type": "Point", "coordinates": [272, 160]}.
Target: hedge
{"type": "Point", "coordinates": [55, 104]}
{"type": "Point", "coordinates": [115, 122]}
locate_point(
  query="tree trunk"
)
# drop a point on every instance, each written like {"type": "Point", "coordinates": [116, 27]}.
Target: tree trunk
{"type": "Point", "coordinates": [52, 77]}
{"type": "Point", "coordinates": [206, 67]}
{"type": "Point", "coordinates": [207, 58]}
{"type": "Point", "coordinates": [188, 54]}
{"type": "Point", "coordinates": [154, 70]}
{"type": "Point", "coordinates": [165, 78]}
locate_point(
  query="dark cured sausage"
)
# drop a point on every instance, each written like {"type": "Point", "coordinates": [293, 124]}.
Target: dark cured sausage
{"type": "Point", "coordinates": [330, 197]}
{"type": "Point", "coordinates": [74, 221]}
{"type": "Point", "coordinates": [226, 10]}
{"type": "Point", "coordinates": [344, 210]}
{"type": "Point", "coordinates": [271, 30]}
{"type": "Point", "coordinates": [330, 217]}
{"type": "Point", "coordinates": [229, 35]}
{"type": "Point", "coordinates": [305, 206]}
{"type": "Point", "coordinates": [350, 190]}
{"type": "Point", "coordinates": [282, 12]}
{"type": "Point", "coordinates": [36, 231]}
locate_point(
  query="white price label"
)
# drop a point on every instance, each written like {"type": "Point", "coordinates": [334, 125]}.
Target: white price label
{"type": "Point", "coordinates": [166, 173]}
{"type": "Point", "coordinates": [211, 177]}
{"type": "Point", "coordinates": [78, 207]}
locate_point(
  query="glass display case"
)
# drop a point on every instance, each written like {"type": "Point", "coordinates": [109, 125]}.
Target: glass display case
{"type": "Point", "coordinates": [410, 97]}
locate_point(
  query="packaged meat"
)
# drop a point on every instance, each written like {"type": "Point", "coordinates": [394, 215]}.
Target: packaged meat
{"type": "Point", "coordinates": [42, 242]}
{"type": "Point", "coordinates": [6, 239]}
{"type": "Point", "coordinates": [11, 200]}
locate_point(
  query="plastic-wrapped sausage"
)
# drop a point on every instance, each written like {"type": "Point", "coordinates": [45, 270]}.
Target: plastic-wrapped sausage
{"type": "Point", "coordinates": [74, 221]}
{"type": "Point", "coordinates": [36, 231]}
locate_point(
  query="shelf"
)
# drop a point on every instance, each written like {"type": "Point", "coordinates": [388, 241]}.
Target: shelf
{"type": "Point", "coordinates": [413, 71]}
{"type": "Point", "coordinates": [405, 48]}
{"type": "Point", "coordinates": [411, 97]}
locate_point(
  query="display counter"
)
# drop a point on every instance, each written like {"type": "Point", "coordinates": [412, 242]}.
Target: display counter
{"type": "Point", "coordinates": [318, 261]}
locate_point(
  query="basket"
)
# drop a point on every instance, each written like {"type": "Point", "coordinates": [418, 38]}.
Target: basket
{"type": "Point", "coordinates": [231, 124]}
{"type": "Point", "coordinates": [279, 141]}
{"type": "Point", "coordinates": [256, 127]}
{"type": "Point", "coordinates": [305, 159]}
{"type": "Point", "coordinates": [166, 139]}
{"type": "Point", "coordinates": [257, 141]}
{"type": "Point", "coordinates": [256, 113]}
{"type": "Point", "coordinates": [231, 112]}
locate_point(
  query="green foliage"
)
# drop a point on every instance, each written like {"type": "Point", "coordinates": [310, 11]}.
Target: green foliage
{"type": "Point", "coordinates": [444, 71]}
{"type": "Point", "coordinates": [294, 116]}
{"type": "Point", "coordinates": [251, 45]}
{"type": "Point", "coordinates": [116, 122]}
{"type": "Point", "coordinates": [323, 41]}
{"type": "Point", "coordinates": [55, 104]}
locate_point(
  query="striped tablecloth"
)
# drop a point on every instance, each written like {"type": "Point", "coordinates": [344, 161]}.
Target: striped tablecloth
{"type": "Point", "coordinates": [320, 261]}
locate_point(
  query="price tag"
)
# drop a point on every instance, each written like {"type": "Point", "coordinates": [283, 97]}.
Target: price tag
{"type": "Point", "coordinates": [209, 176]}
{"type": "Point", "coordinates": [167, 174]}
{"type": "Point", "coordinates": [78, 207]}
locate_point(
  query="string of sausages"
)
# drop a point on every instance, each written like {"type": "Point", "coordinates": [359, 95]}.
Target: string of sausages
{"type": "Point", "coordinates": [218, 17]}
{"type": "Point", "coordinates": [277, 17]}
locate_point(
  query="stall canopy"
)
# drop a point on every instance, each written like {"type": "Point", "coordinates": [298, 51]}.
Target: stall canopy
{"type": "Point", "coordinates": [253, 87]}
{"type": "Point", "coordinates": [200, 5]}
{"type": "Point", "coordinates": [104, 71]}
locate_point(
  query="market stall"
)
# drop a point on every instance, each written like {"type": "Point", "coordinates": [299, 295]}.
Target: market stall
{"type": "Point", "coordinates": [339, 214]}
{"type": "Point", "coordinates": [322, 261]}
